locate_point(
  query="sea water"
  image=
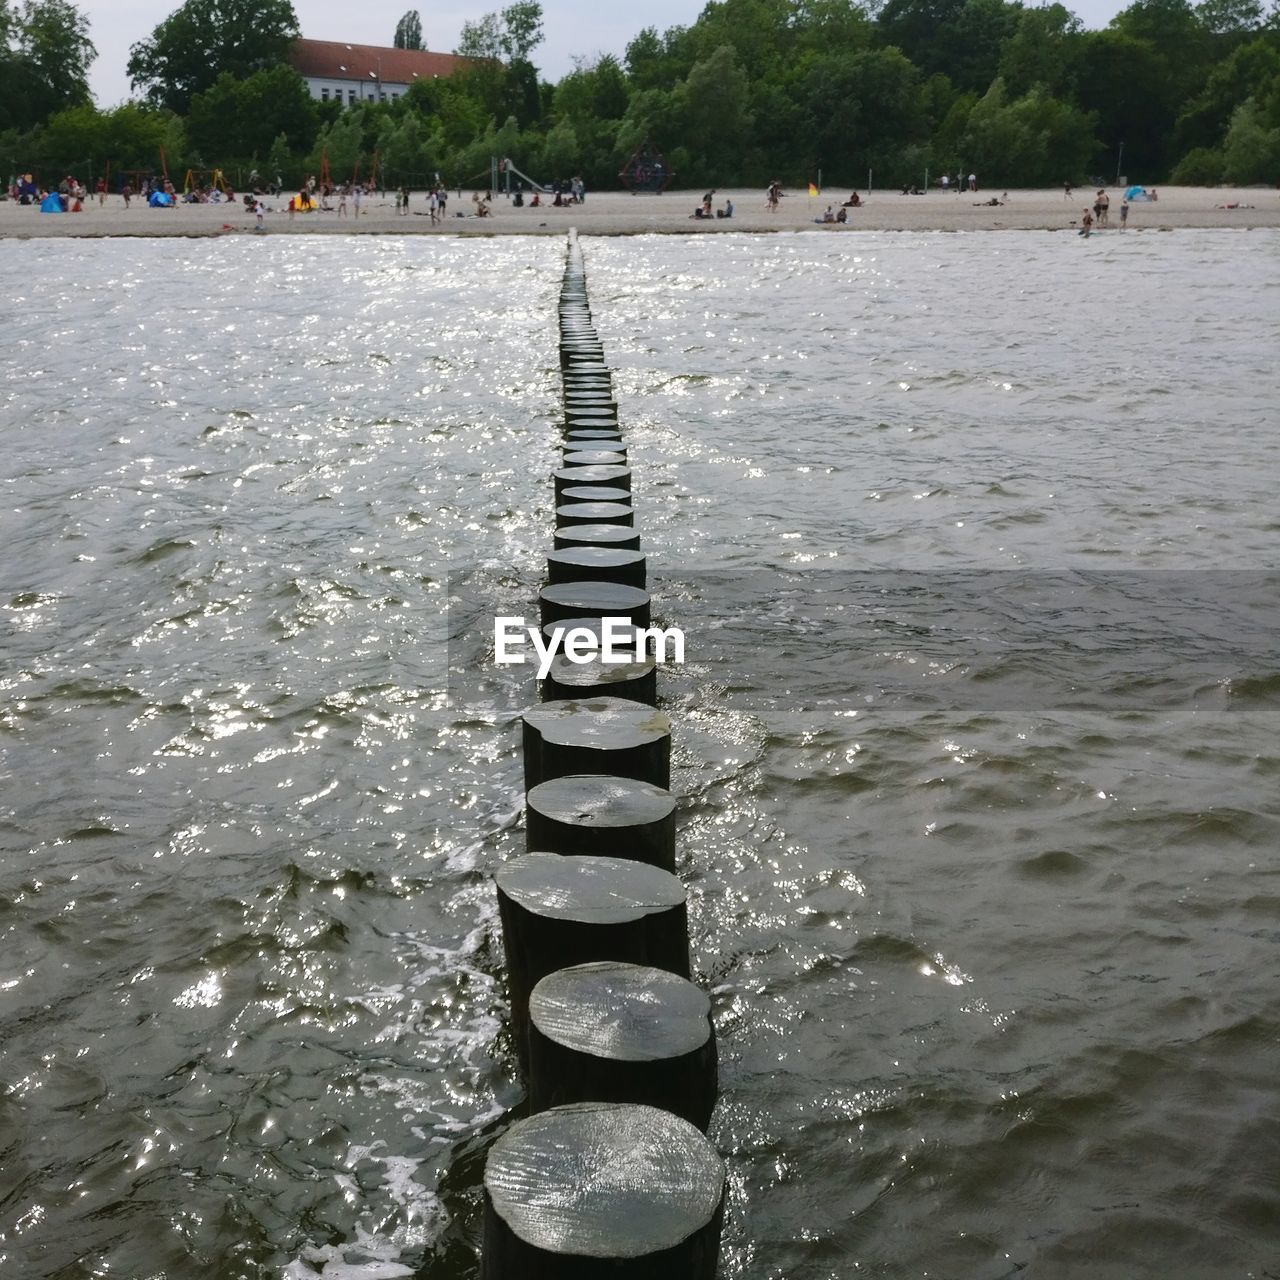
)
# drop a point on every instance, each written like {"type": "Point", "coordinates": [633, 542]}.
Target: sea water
{"type": "Point", "coordinates": [973, 539]}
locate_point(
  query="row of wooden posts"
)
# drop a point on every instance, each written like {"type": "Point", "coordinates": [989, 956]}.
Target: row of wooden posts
{"type": "Point", "coordinates": [611, 1173]}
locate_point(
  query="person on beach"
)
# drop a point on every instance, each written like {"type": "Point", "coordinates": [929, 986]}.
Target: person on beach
{"type": "Point", "coordinates": [1066, 191]}
{"type": "Point", "coordinates": [127, 192]}
{"type": "Point", "coordinates": [342, 201]}
{"type": "Point", "coordinates": [357, 194]}
{"type": "Point", "coordinates": [773, 195]}
{"type": "Point", "coordinates": [973, 182]}
{"type": "Point", "coordinates": [101, 188]}
{"type": "Point", "coordinates": [433, 206]}
{"type": "Point", "coordinates": [853, 202]}
{"type": "Point", "coordinates": [1086, 223]}
{"type": "Point", "coordinates": [1124, 212]}
{"type": "Point", "coordinates": [404, 201]}
{"type": "Point", "coordinates": [258, 210]}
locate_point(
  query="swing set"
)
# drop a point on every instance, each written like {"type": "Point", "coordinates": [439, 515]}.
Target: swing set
{"type": "Point", "coordinates": [198, 178]}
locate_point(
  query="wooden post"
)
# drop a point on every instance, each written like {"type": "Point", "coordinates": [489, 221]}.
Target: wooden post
{"type": "Point", "coordinates": [602, 1189]}
{"type": "Point", "coordinates": [558, 911]}
{"type": "Point", "coordinates": [593, 599]}
{"type": "Point", "coordinates": [596, 735]}
{"type": "Point", "coordinates": [611, 1032]}
{"type": "Point", "coordinates": [591, 814]}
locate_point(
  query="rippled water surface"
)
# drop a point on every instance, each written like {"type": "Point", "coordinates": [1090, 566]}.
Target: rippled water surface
{"type": "Point", "coordinates": [974, 539]}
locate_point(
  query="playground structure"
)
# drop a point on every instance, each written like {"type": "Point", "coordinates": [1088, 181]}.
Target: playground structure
{"type": "Point", "coordinates": [198, 178]}
{"type": "Point", "coordinates": [500, 177]}
{"type": "Point", "coordinates": [646, 173]}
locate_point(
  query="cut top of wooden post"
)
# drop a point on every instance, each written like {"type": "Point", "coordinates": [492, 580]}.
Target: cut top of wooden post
{"type": "Point", "coordinates": [624, 1012]}
{"type": "Point", "coordinates": [589, 890]}
{"type": "Point", "coordinates": [613, 723]}
{"type": "Point", "coordinates": [604, 1180]}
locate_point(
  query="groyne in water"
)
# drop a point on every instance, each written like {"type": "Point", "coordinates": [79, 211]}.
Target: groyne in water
{"type": "Point", "coordinates": [612, 1166]}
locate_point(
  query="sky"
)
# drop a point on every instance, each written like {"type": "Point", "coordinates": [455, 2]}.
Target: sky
{"type": "Point", "coordinates": [570, 27]}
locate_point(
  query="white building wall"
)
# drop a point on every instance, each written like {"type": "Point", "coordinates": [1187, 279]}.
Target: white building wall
{"type": "Point", "coordinates": [349, 91]}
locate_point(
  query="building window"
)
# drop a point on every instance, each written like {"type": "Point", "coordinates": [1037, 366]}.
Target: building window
{"type": "Point", "coordinates": [324, 95]}
{"type": "Point", "coordinates": [351, 96]}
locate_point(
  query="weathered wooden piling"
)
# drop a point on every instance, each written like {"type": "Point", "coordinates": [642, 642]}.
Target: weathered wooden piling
{"type": "Point", "coordinates": [595, 925]}
{"type": "Point", "coordinates": [635, 680]}
{"type": "Point", "coordinates": [616, 475]}
{"type": "Point", "coordinates": [602, 1189]}
{"type": "Point", "coordinates": [596, 564]}
{"type": "Point", "coordinates": [597, 534]}
{"type": "Point", "coordinates": [612, 1032]}
{"type": "Point", "coordinates": [572, 456]}
{"type": "Point", "coordinates": [594, 600]}
{"type": "Point", "coordinates": [569, 514]}
{"type": "Point", "coordinates": [585, 813]}
{"type": "Point", "coordinates": [559, 911]}
{"type": "Point", "coordinates": [596, 735]}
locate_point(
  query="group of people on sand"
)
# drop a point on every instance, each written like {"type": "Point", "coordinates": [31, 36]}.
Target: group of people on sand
{"type": "Point", "coordinates": [704, 209]}
{"type": "Point", "coordinates": [71, 192]}
{"type": "Point", "coordinates": [1100, 215]}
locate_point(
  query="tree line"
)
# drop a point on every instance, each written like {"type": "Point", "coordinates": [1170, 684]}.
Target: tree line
{"type": "Point", "coordinates": [750, 91]}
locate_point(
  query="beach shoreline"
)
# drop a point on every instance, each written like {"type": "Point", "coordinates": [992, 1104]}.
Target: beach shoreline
{"type": "Point", "coordinates": [620, 213]}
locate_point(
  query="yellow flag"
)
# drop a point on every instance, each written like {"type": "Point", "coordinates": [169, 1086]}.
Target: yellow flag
{"type": "Point", "coordinates": [813, 190]}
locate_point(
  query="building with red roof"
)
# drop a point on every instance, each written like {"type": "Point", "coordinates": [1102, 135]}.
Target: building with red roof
{"type": "Point", "coordinates": [350, 73]}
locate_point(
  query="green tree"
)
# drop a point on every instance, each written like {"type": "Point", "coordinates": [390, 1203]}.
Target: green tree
{"type": "Point", "coordinates": [1034, 140]}
{"type": "Point", "coordinates": [128, 137]}
{"type": "Point", "coordinates": [45, 54]}
{"type": "Point", "coordinates": [279, 162]}
{"type": "Point", "coordinates": [959, 38]}
{"type": "Point", "coordinates": [1230, 17]}
{"type": "Point", "coordinates": [402, 148]}
{"type": "Point", "coordinates": [1044, 49]}
{"type": "Point", "coordinates": [409, 31]}
{"type": "Point", "coordinates": [560, 152]}
{"type": "Point", "coordinates": [717, 121]}
{"type": "Point", "coordinates": [864, 111]}
{"type": "Point", "coordinates": [502, 77]}
{"type": "Point", "coordinates": [1200, 167]}
{"type": "Point", "coordinates": [1251, 150]}
{"type": "Point", "coordinates": [241, 118]}
{"type": "Point", "coordinates": [342, 143]}
{"type": "Point", "coordinates": [204, 39]}
{"type": "Point", "coordinates": [1245, 73]}
{"type": "Point", "coordinates": [1128, 82]}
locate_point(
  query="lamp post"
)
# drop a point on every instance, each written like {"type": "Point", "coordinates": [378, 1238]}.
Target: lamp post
{"type": "Point", "coordinates": [1120, 162]}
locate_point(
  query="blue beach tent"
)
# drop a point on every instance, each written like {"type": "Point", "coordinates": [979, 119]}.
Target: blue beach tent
{"type": "Point", "coordinates": [1136, 193]}
{"type": "Point", "coordinates": [51, 203]}
{"type": "Point", "coordinates": [159, 200]}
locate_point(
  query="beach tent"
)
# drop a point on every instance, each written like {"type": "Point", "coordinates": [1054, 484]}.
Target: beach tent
{"type": "Point", "coordinates": [51, 204]}
{"type": "Point", "coordinates": [159, 200]}
{"type": "Point", "coordinates": [1136, 193]}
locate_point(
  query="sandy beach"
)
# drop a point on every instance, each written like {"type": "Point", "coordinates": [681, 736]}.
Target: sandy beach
{"type": "Point", "coordinates": [619, 213]}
